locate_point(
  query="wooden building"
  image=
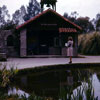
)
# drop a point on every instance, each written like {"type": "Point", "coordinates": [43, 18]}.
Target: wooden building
{"type": "Point", "coordinates": [46, 34]}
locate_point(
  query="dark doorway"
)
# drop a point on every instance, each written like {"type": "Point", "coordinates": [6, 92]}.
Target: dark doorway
{"type": "Point", "coordinates": [32, 43]}
{"type": "Point", "coordinates": [46, 40]}
{"type": "Point", "coordinates": [39, 42]}
{"type": "Point", "coordinates": [10, 40]}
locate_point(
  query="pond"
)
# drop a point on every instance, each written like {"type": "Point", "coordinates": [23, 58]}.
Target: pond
{"type": "Point", "coordinates": [54, 83]}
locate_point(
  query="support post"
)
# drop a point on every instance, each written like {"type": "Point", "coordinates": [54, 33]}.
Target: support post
{"type": "Point", "coordinates": [76, 45]}
{"type": "Point", "coordinates": [23, 43]}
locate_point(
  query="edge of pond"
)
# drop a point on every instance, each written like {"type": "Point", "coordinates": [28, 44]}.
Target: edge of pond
{"type": "Point", "coordinates": [55, 67]}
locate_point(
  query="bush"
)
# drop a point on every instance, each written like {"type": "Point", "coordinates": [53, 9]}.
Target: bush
{"type": "Point", "coordinates": [89, 44]}
{"type": "Point", "coordinates": [6, 74]}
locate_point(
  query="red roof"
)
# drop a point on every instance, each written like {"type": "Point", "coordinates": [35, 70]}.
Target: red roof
{"type": "Point", "coordinates": [49, 10]}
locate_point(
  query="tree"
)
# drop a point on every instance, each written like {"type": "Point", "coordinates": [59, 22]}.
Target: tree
{"type": "Point", "coordinates": [72, 17]}
{"type": "Point", "coordinates": [66, 15]}
{"type": "Point", "coordinates": [18, 15]}
{"type": "Point", "coordinates": [74, 14]}
{"type": "Point", "coordinates": [85, 23]}
{"type": "Point", "coordinates": [32, 9]}
{"type": "Point", "coordinates": [97, 22]}
{"type": "Point", "coordinates": [9, 25]}
{"type": "Point", "coordinates": [5, 22]}
{"type": "Point", "coordinates": [4, 16]}
{"type": "Point", "coordinates": [98, 25]}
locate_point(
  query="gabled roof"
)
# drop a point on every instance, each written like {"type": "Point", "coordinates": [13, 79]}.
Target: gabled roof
{"type": "Point", "coordinates": [44, 12]}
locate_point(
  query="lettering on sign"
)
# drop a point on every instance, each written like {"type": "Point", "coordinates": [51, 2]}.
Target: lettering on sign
{"type": "Point", "coordinates": [67, 30]}
{"type": "Point", "coordinates": [48, 24]}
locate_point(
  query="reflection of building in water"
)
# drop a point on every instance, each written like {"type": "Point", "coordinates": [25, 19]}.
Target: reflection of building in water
{"type": "Point", "coordinates": [49, 83]}
{"type": "Point", "coordinates": [24, 80]}
{"type": "Point", "coordinates": [70, 80]}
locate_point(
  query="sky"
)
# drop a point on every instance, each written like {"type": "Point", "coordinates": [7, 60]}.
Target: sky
{"type": "Point", "coordinates": [84, 7]}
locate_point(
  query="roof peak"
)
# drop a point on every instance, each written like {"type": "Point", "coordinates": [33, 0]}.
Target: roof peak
{"type": "Point", "coordinates": [44, 12]}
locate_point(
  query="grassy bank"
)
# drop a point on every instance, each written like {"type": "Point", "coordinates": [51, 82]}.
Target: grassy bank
{"type": "Point", "coordinates": [89, 44]}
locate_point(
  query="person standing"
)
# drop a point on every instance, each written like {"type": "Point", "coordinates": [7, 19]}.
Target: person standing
{"type": "Point", "coordinates": [70, 48]}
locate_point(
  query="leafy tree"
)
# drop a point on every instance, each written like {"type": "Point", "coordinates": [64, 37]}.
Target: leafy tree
{"type": "Point", "coordinates": [91, 27]}
{"type": "Point", "coordinates": [32, 9]}
{"type": "Point", "coordinates": [71, 17]}
{"type": "Point", "coordinates": [4, 16]}
{"type": "Point", "coordinates": [74, 14]}
{"type": "Point", "coordinates": [66, 15]}
{"type": "Point", "coordinates": [97, 22]}
{"type": "Point", "coordinates": [85, 23]}
{"type": "Point", "coordinates": [18, 15]}
{"type": "Point", "coordinates": [5, 22]}
{"type": "Point", "coordinates": [98, 25]}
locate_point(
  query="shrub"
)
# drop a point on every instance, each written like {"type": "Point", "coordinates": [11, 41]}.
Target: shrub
{"type": "Point", "coordinates": [89, 43]}
{"type": "Point", "coordinates": [6, 74]}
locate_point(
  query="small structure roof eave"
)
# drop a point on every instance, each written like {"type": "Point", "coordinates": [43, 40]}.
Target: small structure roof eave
{"type": "Point", "coordinates": [30, 20]}
{"type": "Point", "coordinates": [34, 18]}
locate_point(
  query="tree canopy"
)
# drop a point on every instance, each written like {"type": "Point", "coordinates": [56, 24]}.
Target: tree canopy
{"type": "Point", "coordinates": [32, 10]}
{"type": "Point", "coordinates": [18, 15]}
{"type": "Point", "coordinates": [4, 16]}
{"type": "Point", "coordinates": [84, 22]}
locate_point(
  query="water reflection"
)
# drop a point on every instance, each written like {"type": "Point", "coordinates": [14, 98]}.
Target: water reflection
{"type": "Point", "coordinates": [96, 85]}
{"type": "Point", "coordinates": [50, 84]}
{"type": "Point", "coordinates": [14, 91]}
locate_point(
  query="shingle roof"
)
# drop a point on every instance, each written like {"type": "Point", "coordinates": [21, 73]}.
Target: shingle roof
{"type": "Point", "coordinates": [44, 12]}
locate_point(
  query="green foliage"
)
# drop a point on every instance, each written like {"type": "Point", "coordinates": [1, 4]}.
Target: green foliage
{"type": "Point", "coordinates": [9, 97]}
{"type": "Point", "coordinates": [17, 97]}
{"type": "Point", "coordinates": [97, 22]}
{"type": "Point", "coordinates": [9, 25]}
{"type": "Point", "coordinates": [5, 22]}
{"type": "Point", "coordinates": [89, 44]}
{"type": "Point", "coordinates": [84, 22]}
{"type": "Point", "coordinates": [17, 17]}
{"type": "Point", "coordinates": [65, 93]}
{"type": "Point", "coordinates": [34, 97]}
{"type": "Point", "coordinates": [4, 16]}
{"type": "Point", "coordinates": [6, 75]}
{"type": "Point", "coordinates": [33, 9]}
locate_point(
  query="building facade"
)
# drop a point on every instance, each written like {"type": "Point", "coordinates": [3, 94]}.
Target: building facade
{"type": "Point", "coordinates": [46, 34]}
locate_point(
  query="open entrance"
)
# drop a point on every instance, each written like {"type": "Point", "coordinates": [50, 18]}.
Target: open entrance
{"type": "Point", "coordinates": [40, 42]}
